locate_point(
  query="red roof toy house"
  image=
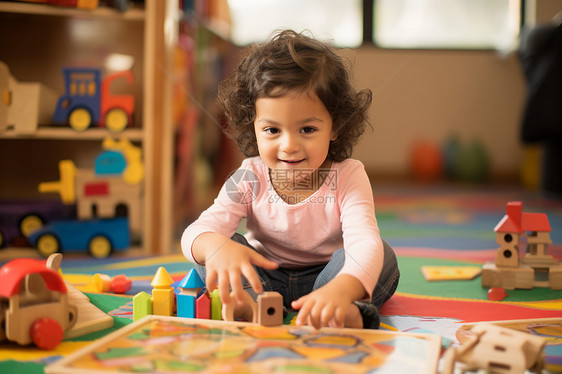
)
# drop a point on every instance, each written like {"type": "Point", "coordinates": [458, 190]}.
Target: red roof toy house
{"type": "Point", "coordinates": [537, 268]}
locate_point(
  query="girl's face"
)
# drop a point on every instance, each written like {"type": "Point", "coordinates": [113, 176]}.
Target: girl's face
{"type": "Point", "coordinates": [293, 133]}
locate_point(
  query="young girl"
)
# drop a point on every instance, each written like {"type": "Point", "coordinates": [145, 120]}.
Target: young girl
{"type": "Point", "coordinates": [311, 234]}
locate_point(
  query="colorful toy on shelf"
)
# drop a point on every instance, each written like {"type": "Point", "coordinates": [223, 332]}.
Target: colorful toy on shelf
{"type": "Point", "coordinates": [19, 218]}
{"type": "Point", "coordinates": [23, 106]}
{"type": "Point", "coordinates": [83, 4]}
{"type": "Point", "coordinates": [34, 305]}
{"type": "Point", "coordinates": [108, 194]}
{"type": "Point", "coordinates": [107, 199]}
{"type": "Point", "coordinates": [124, 159]}
{"type": "Point", "coordinates": [498, 350]}
{"type": "Point", "coordinates": [88, 101]}
{"type": "Point", "coordinates": [537, 268]}
{"type": "Point", "coordinates": [100, 237]}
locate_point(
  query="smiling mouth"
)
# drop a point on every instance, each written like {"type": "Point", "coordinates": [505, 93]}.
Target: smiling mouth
{"type": "Point", "coordinates": [292, 161]}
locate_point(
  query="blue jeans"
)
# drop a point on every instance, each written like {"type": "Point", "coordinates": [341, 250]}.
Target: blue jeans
{"type": "Point", "coordinates": [292, 284]}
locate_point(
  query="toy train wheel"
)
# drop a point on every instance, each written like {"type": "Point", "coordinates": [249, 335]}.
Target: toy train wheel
{"type": "Point", "coordinates": [116, 120]}
{"type": "Point", "coordinates": [100, 246]}
{"type": "Point", "coordinates": [30, 223]}
{"type": "Point", "coordinates": [46, 333]}
{"type": "Point", "coordinates": [47, 244]}
{"type": "Point", "coordinates": [80, 119]}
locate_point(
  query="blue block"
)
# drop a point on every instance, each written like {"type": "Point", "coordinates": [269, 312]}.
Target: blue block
{"type": "Point", "coordinates": [186, 306]}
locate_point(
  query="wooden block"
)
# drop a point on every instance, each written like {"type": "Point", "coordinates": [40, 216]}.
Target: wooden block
{"type": "Point", "coordinates": [555, 277]}
{"type": "Point", "coordinates": [539, 260]}
{"type": "Point", "coordinates": [216, 305]}
{"type": "Point", "coordinates": [31, 104]}
{"type": "Point", "coordinates": [203, 306]}
{"type": "Point", "coordinates": [507, 256]}
{"type": "Point", "coordinates": [438, 273]}
{"type": "Point", "coordinates": [522, 277]}
{"type": "Point", "coordinates": [186, 305]}
{"type": "Point", "coordinates": [270, 309]}
{"type": "Point", "coordinates": [246, 311]}
{"type": "Point", "coordinates": [90, 318]}
{"type": "Point", "coordinates": [142, 305]}
{"type": "Point", "coordinates": [163, 301]}
{"type": "Point", "coordinates": [101, 282]}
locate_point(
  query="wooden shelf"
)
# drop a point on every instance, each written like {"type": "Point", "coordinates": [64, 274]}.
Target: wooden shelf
{"type": "Point", "coordinates": [149, 33]}
{"type": "Point", "coordinates": [65, 133]}
{"type": "Point", "coordinates": [51, 10]}
{"type": "Point", "coordinates": [11, 253]}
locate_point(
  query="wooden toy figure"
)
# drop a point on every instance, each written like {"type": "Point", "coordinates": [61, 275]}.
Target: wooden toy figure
{"type": "Point", "coordinates": [162, 293]}
{"type": "Point", "coordinates": [498, 350]}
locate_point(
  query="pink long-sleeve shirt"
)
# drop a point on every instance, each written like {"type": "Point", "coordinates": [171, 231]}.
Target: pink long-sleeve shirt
{"type": "Point", "coordinates": [340, 214]}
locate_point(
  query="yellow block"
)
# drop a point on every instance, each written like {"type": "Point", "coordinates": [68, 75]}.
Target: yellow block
{"type": "Point", "coordinates": [163, 301]}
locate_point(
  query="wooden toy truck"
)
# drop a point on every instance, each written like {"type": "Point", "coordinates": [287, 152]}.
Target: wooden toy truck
{"type": "Point", "coordinates": [88, 101]}
{"type": "Point", "coordinates": [34, 306]}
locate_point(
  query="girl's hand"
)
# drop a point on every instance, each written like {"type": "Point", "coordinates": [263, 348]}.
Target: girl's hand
{"type": "Point", "coordinates": [329, 305]}
{"type": "Point", "coordinates": [228, 263]}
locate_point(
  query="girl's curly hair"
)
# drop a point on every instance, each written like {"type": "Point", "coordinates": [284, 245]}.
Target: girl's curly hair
{"type": "Point", "coordinates": [292, 61]}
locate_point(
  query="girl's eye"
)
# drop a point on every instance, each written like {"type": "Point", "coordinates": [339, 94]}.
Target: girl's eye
{"type": "Point", "coordinates": [308, 130]}
{"type": "Point", "coordinates": [271, 130]}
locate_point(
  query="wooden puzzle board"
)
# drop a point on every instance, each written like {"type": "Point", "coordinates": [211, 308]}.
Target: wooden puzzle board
{"type": "Point", "coordinates": [169, 344]}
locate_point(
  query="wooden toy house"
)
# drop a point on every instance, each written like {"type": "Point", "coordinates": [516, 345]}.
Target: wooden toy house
{"type": "Point", "coordinates": [536, 268]}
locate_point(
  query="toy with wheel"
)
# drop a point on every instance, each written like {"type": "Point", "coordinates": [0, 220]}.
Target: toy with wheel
{"type": "Point", "coordinates": [34, 306]}
{"type": "Point", "coordinates": [99, 237]}
{"type": "Point", "coordinates": [89, 102]}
